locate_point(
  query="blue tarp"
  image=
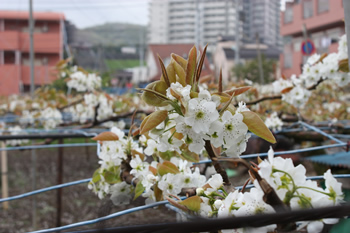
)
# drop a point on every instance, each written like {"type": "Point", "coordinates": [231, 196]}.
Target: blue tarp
{"type": "Point", "coordinates": [341, 159]}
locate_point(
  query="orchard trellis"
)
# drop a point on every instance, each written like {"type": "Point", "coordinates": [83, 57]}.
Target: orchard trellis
{"type": "Point", "coordinates": [194, 123]}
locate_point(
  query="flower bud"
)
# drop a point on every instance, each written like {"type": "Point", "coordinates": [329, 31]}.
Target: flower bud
{"type": "Point", "coordinates": [199, 191]}
{"type": "Point", "coordinates": [218, 204]}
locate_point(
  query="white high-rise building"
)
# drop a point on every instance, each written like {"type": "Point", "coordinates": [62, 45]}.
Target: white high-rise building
{"type": "Point", "coordinates": [190, 21]}
{"type": "Point", "coordinates": [202, 21]}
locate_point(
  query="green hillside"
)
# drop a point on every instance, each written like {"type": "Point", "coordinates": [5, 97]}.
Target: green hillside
{"type": "Point", "coordinates": [113, 34]}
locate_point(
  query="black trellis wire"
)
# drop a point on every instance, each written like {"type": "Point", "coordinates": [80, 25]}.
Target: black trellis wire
{"type": "Point", "coordinates": [204, 224]}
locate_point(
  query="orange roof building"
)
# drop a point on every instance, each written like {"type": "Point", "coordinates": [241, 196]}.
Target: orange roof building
{"type": "Point", "coordinates": [15, 46]}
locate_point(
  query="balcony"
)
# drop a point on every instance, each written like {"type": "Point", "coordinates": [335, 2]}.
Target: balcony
{"type": "Point", "coordinates": [43, 42]}
{"type": "Point", "coordinates": [42, 75]}
{"type": "Point", "coordinates": [9, 40]}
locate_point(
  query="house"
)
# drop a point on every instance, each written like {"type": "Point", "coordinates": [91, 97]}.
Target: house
{"type": "Point", "coordinates": [164, 51]}
{"type": "Point", "coordinates": [15, 46]}
{"type": "Point", "coordinates": [225, 52]}
{"type": "Point", "coordinates": [321, 21]}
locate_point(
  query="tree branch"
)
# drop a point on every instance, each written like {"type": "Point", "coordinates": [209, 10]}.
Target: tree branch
{"type": "Point", "coordinates": [216, 164]}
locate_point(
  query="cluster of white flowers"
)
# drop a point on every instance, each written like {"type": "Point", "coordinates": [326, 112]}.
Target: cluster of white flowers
{"type": "Point", "coordinates": [86, 111]}
{"type": "Point", "coordinates": [273, 122]}
{"type": "Point", "coordinates": [84, 82]}
{"type": "Point", "coordinates": [114, 154]}
{"type": "Point", "coordinates": [314, 70]}
{"type": "Point", "coordinates": [50, 118]}
{"type": "Point", "coordinates": [288, 181]}
{"type": "Point", "coordinates": [200, 120]}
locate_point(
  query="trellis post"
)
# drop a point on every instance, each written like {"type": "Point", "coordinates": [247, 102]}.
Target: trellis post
{"type": "Point", "coordinates": [59, 181]}
{"type": "Point", "coordinates": [4, 177]}
{"type": "Point", "coordinates": [346, 5]}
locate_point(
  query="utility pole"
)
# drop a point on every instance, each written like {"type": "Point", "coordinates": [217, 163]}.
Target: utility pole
{"type": "Point", "coordinates": [261, 72]}
{"type": "Point", "coordinates": [141, 53]}
{"type": "Point", "coordinates": [31, 49]}
{"type": "Point", "coordinates": [346, 4]}
{"type": "Point", "coordinates": [237, 58]}
{"type": "Point", "coordinates": [32, 87]}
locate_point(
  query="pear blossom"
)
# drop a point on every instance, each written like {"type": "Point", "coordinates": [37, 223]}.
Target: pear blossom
{"type": "Point", "coordinates": [121, 193]}
{"type": "Point", "coordinates": [201, 113]}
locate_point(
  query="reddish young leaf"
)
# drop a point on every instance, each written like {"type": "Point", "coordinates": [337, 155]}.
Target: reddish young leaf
{"type": "Point", "coordinates": [257, 126]}
{"type": "Point", "coordinates": [106, 136]}
{"type": "Point", "coordinates": [237, 91]}
{"type": "Point", "coordinates": [191, 65]}
{"type": "Point", "coordinates": [153, 120]}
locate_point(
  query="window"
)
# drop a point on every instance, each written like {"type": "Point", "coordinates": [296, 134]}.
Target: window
{"type": "Point", "coordinates": [308, 10]}
{"type": "Point", "coordinates": [288, 14]}
{"type": "Point", "coordinates": [322, 6]}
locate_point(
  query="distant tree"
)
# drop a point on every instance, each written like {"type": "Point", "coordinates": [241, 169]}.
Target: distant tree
{"type": "Point", "coordinates": [250, 70]}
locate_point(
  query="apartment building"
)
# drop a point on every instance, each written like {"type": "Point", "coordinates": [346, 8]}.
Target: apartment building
{"type": "Point", "coordinates": [190, 21]}
{"type": "Point", "coordinates": [15, 45]}
{"type": "Point", "coordinates": [322, 21]}
{"type": "Point", "coordinates": [262, 18]}
{"type": "Point", "coordinates": [202, 21]}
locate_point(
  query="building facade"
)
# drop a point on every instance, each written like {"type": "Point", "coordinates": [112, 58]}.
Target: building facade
{"type": "Point", "coordinates": [15, 46]}
{"type": "Point", "coordinates": [262, 18]}
{"type": "Point", "coordinates": [190, 21]}
{"type": "Point", "coordinates": [202, 21]}
{"type": "Point", "coordinates": [322, 21]}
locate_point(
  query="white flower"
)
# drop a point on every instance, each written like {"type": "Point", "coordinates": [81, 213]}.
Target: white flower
{"type": "Point", "coordinates": [121, 193]}
{"type": "Point", "coordinates": [169, 184]}
{"type": "Point", "coordinates": [216, 181]}
{"type": "Point", "coordinates": [201, 113]}
{"type": "Point", "coordinates": [273, 122]}
{"type": "Point", "coordinates": [333, 187]}
{"type": "Point", "coordinates": [151, 147]}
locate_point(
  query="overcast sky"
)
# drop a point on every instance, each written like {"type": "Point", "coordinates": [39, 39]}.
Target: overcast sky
{"type": "Point", "coordinates": [85, 13]}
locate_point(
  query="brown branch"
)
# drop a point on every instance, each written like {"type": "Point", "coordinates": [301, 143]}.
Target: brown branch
{"type": "Point", "coordinates": [71, 104]}
{"type": "Point", "coordinates": [274, 97]}
{"type": "Point", "coordinates": [216, 164]}
{"type": "Point", "coordinates": [270, 197]}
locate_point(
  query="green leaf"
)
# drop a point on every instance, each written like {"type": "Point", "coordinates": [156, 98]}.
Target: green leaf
{"type": "Point", "coordinates": [96, 176]}
{"type": "Point", "coordinates": [139, 189]}
{"type": "Point", "coordinates": [189, 155]}
{"type": "Point", "coordinates": [257, 126]}
{"type": "Point", "coordinates": [152, 94]}
{"type": "Point", "coordinates": [154, 119]}
{"type": "Point", "coordinates": [191, 65]}
{"type": "Point", "coordinates": [167, 155]}
{"type": "Point", "coordinates": [111, 177]}
{"type": "Point", "coordinates": [167, 167]}
{"type": "Point", "coordinates": [192, 203]}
